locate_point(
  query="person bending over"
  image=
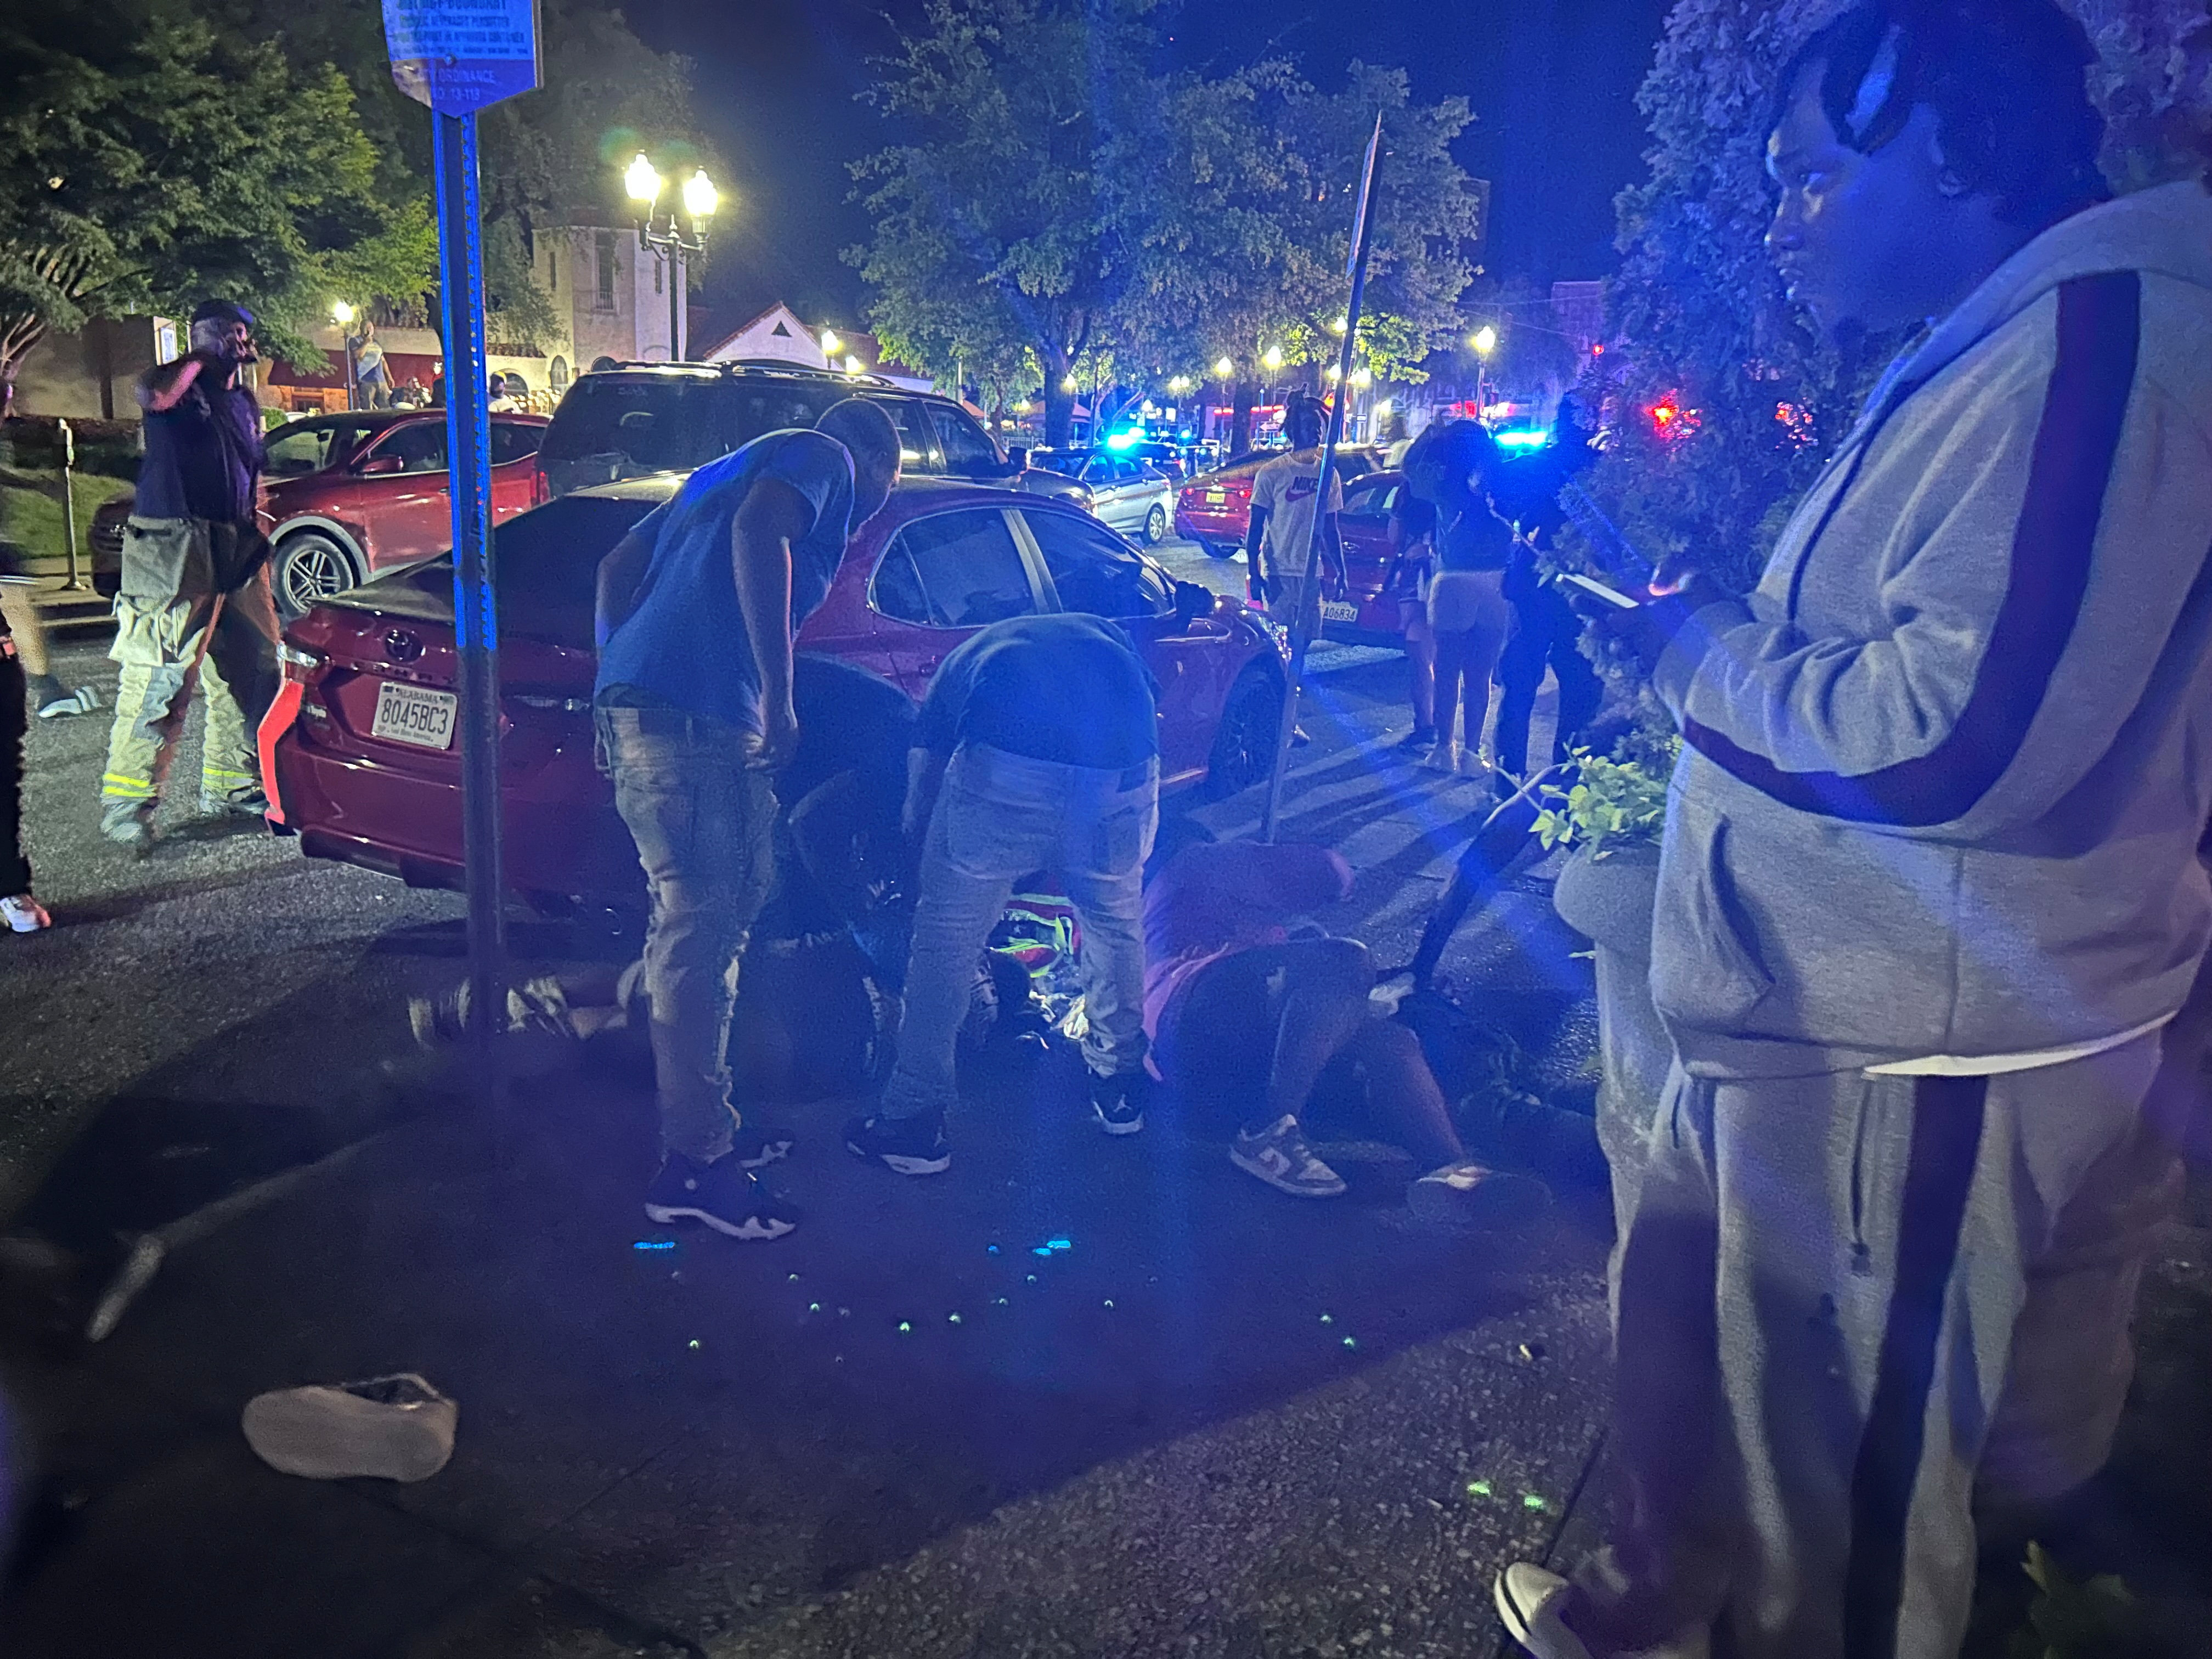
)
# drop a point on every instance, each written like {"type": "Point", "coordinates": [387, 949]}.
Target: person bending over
{"type": "Point", "coordinates": [1036, 750]}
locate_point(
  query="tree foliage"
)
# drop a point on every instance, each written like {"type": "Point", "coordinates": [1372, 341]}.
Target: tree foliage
{"type": "Point", "coordinates": [1050, 195]}
{"type": "Point", "coordinates": [147, 163]}
{"type": "Point", "coordinates": [1704, 329]}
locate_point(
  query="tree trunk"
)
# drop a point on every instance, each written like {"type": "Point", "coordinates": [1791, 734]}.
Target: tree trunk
{"type": "Point", "coordinates": [1240, 422]}
{"type": "Point", "coordinates": [1059, 413]}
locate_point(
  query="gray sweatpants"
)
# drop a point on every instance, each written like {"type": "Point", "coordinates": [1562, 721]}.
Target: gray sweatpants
{"type": "Point", "coordinates": [1827, 1283]}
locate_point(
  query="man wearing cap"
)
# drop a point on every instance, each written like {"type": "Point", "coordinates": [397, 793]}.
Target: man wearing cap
{"type": "Point", "coordinates": [194, 602]}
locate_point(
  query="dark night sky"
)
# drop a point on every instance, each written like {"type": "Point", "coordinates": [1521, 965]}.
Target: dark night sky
{"type": "Point", "coordinates": [1552, 83]}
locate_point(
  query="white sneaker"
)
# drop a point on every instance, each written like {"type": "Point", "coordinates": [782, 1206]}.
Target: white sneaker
{"type": "Point", "coordinates": [24, 915]}
{"type": "Point", "coordinates": [1278, 1155]}
{"type": "Point", "coordinates": [1528, 1598]}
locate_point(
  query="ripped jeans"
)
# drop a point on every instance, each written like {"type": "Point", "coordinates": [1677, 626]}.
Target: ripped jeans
{"type": "Point", "coordinates": [1001, 816]}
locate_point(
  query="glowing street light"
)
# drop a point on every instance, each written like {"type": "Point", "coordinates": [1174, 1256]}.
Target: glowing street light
{"type": "Point", "coordinates": [342, 313]}
{"type": "Point", "coordinates": [669, 242]}
{"type": "Point", "coordinates": [831, 345]}
{"type": "Point", "coordinates": [1485, 340]}
{"type": "Point", "coordinates": [1272, 359]}
{"type": "Point", "coordinates": [1179, 384]}
{"type": "Point", "coordinates": [701, 198]}
{"type": "Point", "coordinates": [1223, 369]}
{"type": "Point", "coordinates": [1339, 325]}
{"type": "Point", "coordinates": [853, 364]}
{"type": "Point", "coordinates": [1333, 371]}
{"type": "Point", "coordinates": [1068, 383]}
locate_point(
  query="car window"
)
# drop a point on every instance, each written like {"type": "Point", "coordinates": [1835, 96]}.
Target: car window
{"type": "Point", "coordinates": [953, 570]}
{"type": "Point", "coordinates": [1099, 473]}
{"type": "Point", "coordinates": [616, 426]}
{"type": "Point", "coordinates": [969, 454]}
{"type": "Point", "coordinates": [306, 446]}
{"type": "Point", "coordinates": [420, 445]}
{"type": "Point", "coordinates": [1094, 572]}
{"type": "Point", "coordinates": [918, 446]}
{"type": "Point", "coordinates": [1366, 499]}
{"type": "Point", "coordinates": [512, 440]}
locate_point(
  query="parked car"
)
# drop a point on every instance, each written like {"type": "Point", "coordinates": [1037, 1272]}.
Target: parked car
{"type": "Point", "coordinates": [1215, 507]}
{"type": "Point", "coordinates": [1130, 496]}
{"type": "Point", "coordinates": [344, 496]}
{"type": "Point", "coordinates": [359, 751]}
{"type": "Point", "coordinates": [637, 419]}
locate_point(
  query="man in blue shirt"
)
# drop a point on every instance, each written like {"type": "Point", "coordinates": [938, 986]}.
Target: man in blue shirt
{"type": "Point", "coordinates": [1036, 750]}
{"type": "Point", "coordinates": [696, 609]}
{"type": "Point", "coordinates": [194, 600]}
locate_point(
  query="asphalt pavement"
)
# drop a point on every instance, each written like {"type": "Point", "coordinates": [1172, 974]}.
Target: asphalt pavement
{"type": "Point", "coordinates": [1214, 1420]}
{"type": "Point", "coordinates": [1078, 1396]}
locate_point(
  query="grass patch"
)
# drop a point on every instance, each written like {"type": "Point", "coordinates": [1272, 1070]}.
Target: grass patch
{"type": "Point", "coordinates": [32, 519]}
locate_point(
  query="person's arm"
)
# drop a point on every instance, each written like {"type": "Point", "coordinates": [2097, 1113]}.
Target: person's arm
{"type": "Point", "coordinates": [924, 777]}
{"type": "Point", "coordinates": [2023, 634]}
{"type": "Point", "coordinates": [162, 387]}
{"type": "Point", "coordinates": [620, 584]}
{"type": "Point", "coordinates": [1255, 542]}
{"type": "Point", "coordinates": [773, 515]}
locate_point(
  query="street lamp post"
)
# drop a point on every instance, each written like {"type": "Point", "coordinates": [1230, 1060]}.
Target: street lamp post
{"type": "Point", "coordinates": [1223, 370]}
{"type": "Point", "coordinates": [342, 315]}
{"type": "Point", "coordinates": [1485, 342]}
{"type": "Point", "coordinates": [668, 243]}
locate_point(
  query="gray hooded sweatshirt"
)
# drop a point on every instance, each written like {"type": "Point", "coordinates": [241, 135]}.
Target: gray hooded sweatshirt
{"type": "Point", "coordinates": [1945, 772]}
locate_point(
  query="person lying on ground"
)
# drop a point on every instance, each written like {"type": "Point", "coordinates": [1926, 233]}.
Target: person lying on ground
{"type": "Point", "coordinates": [1245, 1019]}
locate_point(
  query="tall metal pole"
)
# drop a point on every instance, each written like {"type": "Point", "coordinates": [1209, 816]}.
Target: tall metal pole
{"type": "Point", "coordinates": [1307, 617]}
{"type": "Point", "coordinates": [475, 617]}
{"type": "Point", "coordinates": [675, 292]}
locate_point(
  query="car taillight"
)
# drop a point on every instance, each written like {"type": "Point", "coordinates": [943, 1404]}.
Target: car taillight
{"type": "Point", "coordinates": [299, 666]}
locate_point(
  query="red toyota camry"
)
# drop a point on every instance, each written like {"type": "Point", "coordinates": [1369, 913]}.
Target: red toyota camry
{"type": "Point", "coordinates": [359, 750]}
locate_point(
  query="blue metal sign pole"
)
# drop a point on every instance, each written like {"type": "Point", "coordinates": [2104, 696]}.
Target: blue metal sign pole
{"type": "Point", "coordinates": [475, 617]}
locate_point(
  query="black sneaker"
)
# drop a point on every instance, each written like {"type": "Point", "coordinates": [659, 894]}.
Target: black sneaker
{"type": "Point", "coordinates": [1421, 737]}
{"type": "Point", "coordinates": [759, 1144]}
{"type": "Point", "coordinates": [912, 1146]}
{"type": "Point", "coordinates": [726, 1198]}
{"type": "Point", "coordinates": [1118, 1103]}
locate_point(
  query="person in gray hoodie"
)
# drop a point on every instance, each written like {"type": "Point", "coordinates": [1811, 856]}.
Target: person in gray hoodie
{"type": "Point", "coordinates": [1928, 887]}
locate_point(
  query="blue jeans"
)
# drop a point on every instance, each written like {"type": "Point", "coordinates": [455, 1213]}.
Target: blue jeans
{"type": "Point", "coordinates": [703, 819]}
{"type": "Point", "coordinates": [999, 817]}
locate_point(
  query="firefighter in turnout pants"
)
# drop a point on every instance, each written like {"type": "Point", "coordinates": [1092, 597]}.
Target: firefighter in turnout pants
{"type": "Point", "coordinates": [195, 602]}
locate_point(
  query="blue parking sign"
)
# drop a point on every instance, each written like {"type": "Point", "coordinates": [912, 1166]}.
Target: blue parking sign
{"type": "Point", "coordinates": [459, 55]}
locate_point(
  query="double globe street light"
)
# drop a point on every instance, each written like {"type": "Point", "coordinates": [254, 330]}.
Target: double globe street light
{"type": "Point", "coordinates": [669, 243]}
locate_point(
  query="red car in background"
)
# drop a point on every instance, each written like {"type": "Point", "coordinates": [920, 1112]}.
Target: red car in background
{"type": "Point", "coordinates": [359, 751]}
{"type": "Point", "coordinates": [1215, 507]}
{"type": "Point", "coordinates": [344, 496]}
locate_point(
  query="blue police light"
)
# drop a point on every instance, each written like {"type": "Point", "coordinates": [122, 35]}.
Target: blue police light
{"type": "Point", "coordinates": [1125, 439]}
{"type": "Point", "coordinates": [1523, 439]}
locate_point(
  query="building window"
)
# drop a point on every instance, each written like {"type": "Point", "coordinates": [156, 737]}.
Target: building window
{"type": "Point", "coordinates": [557, 376]}
{"type": "Point", "coordinates": [656, 276]}
{"type": "Point", "coordinates": [552, 271]}
{"type": "Point", "coordinates": [605, 299]}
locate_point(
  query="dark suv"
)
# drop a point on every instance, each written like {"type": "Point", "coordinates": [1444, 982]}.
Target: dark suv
{"type": "Point", "coordinates": [642, 418]}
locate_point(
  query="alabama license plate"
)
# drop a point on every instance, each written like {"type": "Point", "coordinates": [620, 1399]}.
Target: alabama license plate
{"type": "Point", "coordinates": [408, 714]}
{"type": "Point", "coordinates": [1337, 611]}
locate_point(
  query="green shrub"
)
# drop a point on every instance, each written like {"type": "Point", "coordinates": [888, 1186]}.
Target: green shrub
{"type": "Point", "coordinates": [1618, 800]}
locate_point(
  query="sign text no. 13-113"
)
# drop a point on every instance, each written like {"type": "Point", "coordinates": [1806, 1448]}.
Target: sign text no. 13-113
{"type": "Point", "coordinates": [460, 55]}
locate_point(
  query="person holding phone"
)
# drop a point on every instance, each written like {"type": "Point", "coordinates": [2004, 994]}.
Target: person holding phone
{"type": "Point", "coordinates": [194, 606]}
{"type": "Point", "coordinates": [1928, 891]}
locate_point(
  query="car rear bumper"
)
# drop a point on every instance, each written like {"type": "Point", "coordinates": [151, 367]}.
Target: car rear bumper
{"type": "Point", "coordinates": [1205, 525]}
{"type": "Point", "coordinates": [399, 822]}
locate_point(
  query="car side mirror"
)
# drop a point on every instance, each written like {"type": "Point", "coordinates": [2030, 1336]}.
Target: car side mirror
{"type": "Point", "coordinates": [380, 466]}
{"type": "Point", "coordinates": [1192, 602]}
